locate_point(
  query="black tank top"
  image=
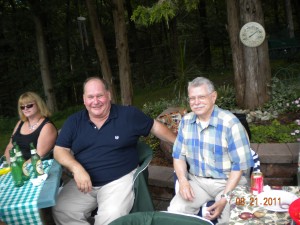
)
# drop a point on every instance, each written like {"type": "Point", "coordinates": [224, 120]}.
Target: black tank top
{"type": "Point", "coordinates": [23, 140]}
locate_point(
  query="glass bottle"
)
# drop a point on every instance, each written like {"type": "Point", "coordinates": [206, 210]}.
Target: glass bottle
{"type": "Point", "coordinates": [37, 165]}
{"type": "Point", "coordinates": [16, 171]}
{"type": "Point", "coordinates": [22, 163]}
{"type": "Point", "coordinates": [4, 163]}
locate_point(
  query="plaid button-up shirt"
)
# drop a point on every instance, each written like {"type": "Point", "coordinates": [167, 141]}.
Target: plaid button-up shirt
{"type": "Point", "coordinates": [215, 150]}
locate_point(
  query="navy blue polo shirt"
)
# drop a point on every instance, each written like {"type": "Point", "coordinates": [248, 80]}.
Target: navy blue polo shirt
{"type": "Point", "coordinates": [110, 152]}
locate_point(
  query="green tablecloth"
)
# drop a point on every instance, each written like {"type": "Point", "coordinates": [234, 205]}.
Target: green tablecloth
{"type": "Point", "coordinates": [19, 204]}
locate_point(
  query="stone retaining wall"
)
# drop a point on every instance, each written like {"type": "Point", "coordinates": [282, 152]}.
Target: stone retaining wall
{"type": "Point", "coordinates": [279, 162]}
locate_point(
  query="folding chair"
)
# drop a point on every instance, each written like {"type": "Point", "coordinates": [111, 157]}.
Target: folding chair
{"type": "Point", "coordinates": [160, 218]}
{"type": "Point", "coordinates": [143, 201]}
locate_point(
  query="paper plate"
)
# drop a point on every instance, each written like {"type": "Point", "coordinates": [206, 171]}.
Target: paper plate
{"type": "Point", "coordinates": [276, 200]}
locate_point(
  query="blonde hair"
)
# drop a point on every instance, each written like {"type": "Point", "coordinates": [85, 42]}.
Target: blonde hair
{"type": "Point", "coordinates": [31, 97]}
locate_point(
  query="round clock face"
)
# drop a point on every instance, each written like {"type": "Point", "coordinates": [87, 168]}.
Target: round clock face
{"type": "Point", "coordinates": [252, 34]}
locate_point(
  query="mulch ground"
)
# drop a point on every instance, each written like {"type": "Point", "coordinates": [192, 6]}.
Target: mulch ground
{"type": "Point", "coordinates": [159, 159]}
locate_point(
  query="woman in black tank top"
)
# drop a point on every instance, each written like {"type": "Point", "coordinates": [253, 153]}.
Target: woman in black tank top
{"type": "Point", "coordinates": [34, 126]}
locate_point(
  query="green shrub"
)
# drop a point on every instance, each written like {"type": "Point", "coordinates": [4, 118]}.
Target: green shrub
{"type": "Point", "coordinates": [275, 132]}
{"type": "Point", "coordinates": [153, 109]}
{"type": "Point", "coordinates": [281, 96]}
{"type": "Point", "coordinates": [226, 97]}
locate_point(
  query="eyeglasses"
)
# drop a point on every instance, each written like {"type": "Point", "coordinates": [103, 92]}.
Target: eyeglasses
{"type": "Point", "coordinates": [200, 98]}
{"type": "Point", "coordinates": [28, 106]}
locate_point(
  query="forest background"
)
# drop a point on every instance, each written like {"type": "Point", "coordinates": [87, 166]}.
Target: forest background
{"type": "Point", "coordinates": [51, 47]}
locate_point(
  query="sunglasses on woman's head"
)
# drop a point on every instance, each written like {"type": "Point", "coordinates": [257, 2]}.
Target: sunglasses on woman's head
{"type": "Point", "coordinates": [28, 106]}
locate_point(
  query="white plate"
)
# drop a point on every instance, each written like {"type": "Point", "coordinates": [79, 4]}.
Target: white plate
{"type": "Point", "coordinates": [276, 200]}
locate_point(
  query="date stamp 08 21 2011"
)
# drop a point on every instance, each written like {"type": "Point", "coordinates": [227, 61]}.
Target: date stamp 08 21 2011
{"type": "Point", "coordinates": [253, 201]}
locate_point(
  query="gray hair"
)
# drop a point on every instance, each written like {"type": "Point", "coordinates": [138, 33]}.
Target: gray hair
{"type": "Point", "coordinates": [199, 81]}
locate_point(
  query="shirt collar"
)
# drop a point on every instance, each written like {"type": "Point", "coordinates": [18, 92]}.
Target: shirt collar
{"type": "Point", "coordinates": [213, 121]}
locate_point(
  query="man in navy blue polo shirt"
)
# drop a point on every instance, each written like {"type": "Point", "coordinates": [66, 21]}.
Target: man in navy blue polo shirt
{"type": "Point", "coordinates": [98, 146]}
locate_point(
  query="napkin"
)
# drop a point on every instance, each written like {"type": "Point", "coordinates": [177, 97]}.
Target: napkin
{"type": "Point", "coordinates": [39, 180]}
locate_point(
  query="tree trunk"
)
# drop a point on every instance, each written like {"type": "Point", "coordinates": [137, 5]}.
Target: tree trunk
{"type": "Point", "coordinates": [100, 47]}
{"type": "Point", "coordinates": [289, 18]}
{"type": "Point", "coordinates": [44, 64]}
{"type": "Point", "coordinates": [251, 64]}
{"type": "Point", "coordinates": [122, 51]}
{"type": "Point", "coordinates": [236, 47]}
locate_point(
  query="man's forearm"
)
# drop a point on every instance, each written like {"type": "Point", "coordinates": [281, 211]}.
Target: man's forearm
{"type": "Point", "coordinates": [66, 159]}
{"type": "Point", "coordinates": [180, 169]}
{"type": "Point", "coordinates": [233, 180]}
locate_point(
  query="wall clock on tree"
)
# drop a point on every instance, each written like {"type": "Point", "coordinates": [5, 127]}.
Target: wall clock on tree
{"type": "Point", "coordinates": [252, 34]}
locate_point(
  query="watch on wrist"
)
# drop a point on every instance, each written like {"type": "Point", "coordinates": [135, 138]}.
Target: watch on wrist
{"type": "Point", "coordinates": [226, 196]}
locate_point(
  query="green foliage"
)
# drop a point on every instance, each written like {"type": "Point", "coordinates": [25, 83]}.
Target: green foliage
{"type": "Point", "coordinates": [184, 73]}
{"type": "Point", "coordinates": [226, 97]}
{"type": "Point", "coordinates": [153, 142]}
{"type": "Point", "coordinates": [275, 132]}
{"type": "Point", "coordinates": [7, 124]}
{"type": "Point", "coordinates": [153, 109]}
{"type": "Point", "coordinates": [6, 128]}
{"type": "Point", "coordinates": [164, 10]}
{"type": "Point", "coordinates": [280, 96]}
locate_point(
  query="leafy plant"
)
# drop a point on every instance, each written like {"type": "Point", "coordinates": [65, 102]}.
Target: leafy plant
{"type": "Point", "coordinates": [153, 109]}
{"type": "Point", "coordinates": [226, 97]}
{"type": "Point", "coordinates": [280, 95]}
{"type": "Point", "coordinates": [275, 132]}
{"type": "Point", "coordinates": [184, 72]}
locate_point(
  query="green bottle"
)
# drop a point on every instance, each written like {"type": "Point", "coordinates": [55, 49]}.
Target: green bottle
{"type": "Point", "coordinates": [37, 165]}
{"type": "Point", "coordinates": [22, 163]}
{"type": "Point", "coordinates": [16, 171]}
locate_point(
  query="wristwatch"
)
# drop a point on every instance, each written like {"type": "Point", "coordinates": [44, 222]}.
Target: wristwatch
{"type": "Point", "coordinates": [227, 196]}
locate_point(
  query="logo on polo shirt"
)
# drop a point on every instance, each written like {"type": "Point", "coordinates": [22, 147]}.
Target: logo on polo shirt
{"type": "Point", "coordinates": [117, 137]}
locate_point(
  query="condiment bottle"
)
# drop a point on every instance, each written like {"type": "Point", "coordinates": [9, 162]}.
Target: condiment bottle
{"type": "Point", "coordinates": [37, 165]}
{"type": "Point", "coordinates": [16, 171]}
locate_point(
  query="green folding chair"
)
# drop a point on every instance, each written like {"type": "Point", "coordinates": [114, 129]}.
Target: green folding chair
{"type": "Point", "coordinates": [160, 218]}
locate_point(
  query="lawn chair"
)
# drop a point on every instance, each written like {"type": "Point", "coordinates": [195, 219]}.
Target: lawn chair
{"type": "Point", "coordinates": [160, 218]}
{"type": "Point", "coordinates": [143, 201]}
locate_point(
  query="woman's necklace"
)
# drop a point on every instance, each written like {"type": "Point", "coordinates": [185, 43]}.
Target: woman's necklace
{"type": "Point", "coordinates": [33, 126]}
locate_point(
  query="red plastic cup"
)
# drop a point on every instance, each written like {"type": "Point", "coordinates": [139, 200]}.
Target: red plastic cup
{"type": "Point", "coordinates": [294, 211]}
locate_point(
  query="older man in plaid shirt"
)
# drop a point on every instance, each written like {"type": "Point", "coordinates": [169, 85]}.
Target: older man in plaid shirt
{"type": "Point", "coordinates": [213, 143]}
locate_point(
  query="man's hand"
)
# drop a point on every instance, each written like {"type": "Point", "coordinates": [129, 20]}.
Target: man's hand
{"type": "Point", "coordinates": [83, 180]}
{"type": "Point", "coordinates": [186, 191]}
{"type": "Point", "coordinates": [216, 209]}
{"type": "Point", "coordinates": [66, 159]}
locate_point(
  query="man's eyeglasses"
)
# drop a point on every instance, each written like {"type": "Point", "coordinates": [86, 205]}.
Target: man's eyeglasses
{"type": "Point", "coordinates": [199, 98]}
{"type": "Point", "coordinates": [28, 106]}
